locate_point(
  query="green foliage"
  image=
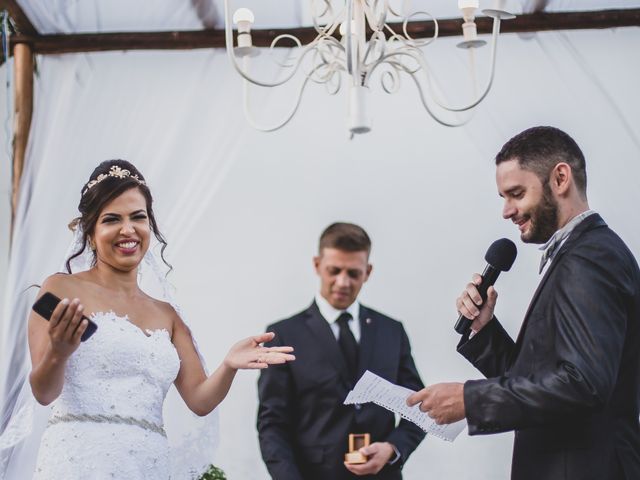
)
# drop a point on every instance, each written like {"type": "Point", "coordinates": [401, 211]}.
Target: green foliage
{"type": "Point", "coordinates": [213, 473]}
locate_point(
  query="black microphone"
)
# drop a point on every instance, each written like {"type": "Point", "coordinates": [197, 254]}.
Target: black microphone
{"type": "Point", "coordinates": [500, 256]}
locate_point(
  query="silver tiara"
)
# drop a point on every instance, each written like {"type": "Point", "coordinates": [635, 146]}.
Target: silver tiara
{"type": "Point", "coordinates": [114, 171]}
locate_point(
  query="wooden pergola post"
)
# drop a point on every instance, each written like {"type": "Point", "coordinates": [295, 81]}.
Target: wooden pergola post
{"type": "Point", "coordinates": [23, 110]}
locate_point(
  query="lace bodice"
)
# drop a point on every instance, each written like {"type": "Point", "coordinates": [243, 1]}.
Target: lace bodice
{"type": "Point", "coordinates": [121, 370]}
{"type": "Point", "coordinates": [107, 422]}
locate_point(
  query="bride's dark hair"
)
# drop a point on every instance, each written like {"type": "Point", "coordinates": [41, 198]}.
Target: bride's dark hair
{"type": "Point", "coordinates": [109, 180]}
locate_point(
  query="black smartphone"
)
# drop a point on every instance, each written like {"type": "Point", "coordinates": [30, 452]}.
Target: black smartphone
{"type": "Point", "coordinates": [45, 305]}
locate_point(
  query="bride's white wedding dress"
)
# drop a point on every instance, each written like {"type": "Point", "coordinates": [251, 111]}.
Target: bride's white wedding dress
{"type": "Point", "coordinates": [107, 422]}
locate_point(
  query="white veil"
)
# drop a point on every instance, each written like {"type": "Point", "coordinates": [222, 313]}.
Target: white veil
{"type": "Point", "coordinates": [193, 439]}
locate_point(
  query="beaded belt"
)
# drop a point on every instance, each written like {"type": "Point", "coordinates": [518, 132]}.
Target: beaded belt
{"type": "Point", "coordinates": [115, 419]}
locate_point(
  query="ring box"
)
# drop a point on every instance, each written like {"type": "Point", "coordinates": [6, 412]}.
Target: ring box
{"type": "Point", "coordinates": [356, 442]}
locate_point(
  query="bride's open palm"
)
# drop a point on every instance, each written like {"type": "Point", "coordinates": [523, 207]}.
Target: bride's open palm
{"type": "Point", "coordinates": [250, 354]}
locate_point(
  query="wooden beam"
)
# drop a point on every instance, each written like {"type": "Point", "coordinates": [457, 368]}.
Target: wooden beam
{"type": "Point", "coordinates": [23, 88]}
{"type": "Point", "coordinates": [185, 40]}
{"type": "Point", "coordinates": [98, 42]}
{"type": "Point", "coordinates": [20, 20]}
{"type": "Point", "coordinates": [547, 21]}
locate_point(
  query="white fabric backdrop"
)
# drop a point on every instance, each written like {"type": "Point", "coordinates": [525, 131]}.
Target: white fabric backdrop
{"type": "Point", "coordinates": [242, 210]}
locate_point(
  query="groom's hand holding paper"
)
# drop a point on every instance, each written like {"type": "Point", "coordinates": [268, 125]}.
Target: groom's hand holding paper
{"type": "Point", "coordinates": [443, 402]}
{"type": "Point", "coordinates": [372, 388]}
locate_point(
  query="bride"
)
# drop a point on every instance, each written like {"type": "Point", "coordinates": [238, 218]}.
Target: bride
{"type": "Point", "coordinates": [107, 392]}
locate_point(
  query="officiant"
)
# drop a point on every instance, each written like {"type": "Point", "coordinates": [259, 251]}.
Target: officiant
{"type": "Point", "coordinates": [302, 423]}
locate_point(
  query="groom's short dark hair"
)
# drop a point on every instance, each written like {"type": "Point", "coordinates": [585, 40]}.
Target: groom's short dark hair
{"type": "Point", "coordinates": [540, 149]}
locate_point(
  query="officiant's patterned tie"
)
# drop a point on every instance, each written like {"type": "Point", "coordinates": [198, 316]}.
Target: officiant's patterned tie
{"type": "Point", "coordinates": [348, 344]}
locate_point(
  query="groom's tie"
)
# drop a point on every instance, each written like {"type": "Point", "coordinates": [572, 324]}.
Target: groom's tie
{"type": "Point", "coordinates": [552, 247]}
{"type": "Point", "coordinates": [348, 344]}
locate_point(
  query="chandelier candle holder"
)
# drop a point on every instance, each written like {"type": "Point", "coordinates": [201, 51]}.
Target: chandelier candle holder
{"type": "Point", "coordinates": [355, 40]}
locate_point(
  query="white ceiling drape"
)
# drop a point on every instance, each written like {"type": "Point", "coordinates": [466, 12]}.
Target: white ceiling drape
{"type": "Point", "coordinates": [242, 210]}
{"type": "Point", "coordinates": [72, 16]}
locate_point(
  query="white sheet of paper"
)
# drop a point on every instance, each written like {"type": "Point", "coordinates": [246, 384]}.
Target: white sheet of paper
{"type": "Point", "coordinates": [372, 388]}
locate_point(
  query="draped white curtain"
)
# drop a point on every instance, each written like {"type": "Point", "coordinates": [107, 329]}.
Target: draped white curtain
{"type": "Point", "coordinates": [242, 210]}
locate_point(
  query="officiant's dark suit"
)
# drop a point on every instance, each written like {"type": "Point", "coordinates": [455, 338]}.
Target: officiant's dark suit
{"type": "Point", "coordinates": [302, 422]}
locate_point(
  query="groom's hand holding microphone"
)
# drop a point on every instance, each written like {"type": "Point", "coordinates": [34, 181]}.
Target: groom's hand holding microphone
{"type": "Point", "coordinates": [444, 402]}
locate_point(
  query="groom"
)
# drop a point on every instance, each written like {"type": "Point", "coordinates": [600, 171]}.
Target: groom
{"type": "Point", "coordinates": [302, 422]}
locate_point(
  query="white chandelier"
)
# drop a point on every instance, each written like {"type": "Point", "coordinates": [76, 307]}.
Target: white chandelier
{"type": "Point", "coordinates": [341, 48]}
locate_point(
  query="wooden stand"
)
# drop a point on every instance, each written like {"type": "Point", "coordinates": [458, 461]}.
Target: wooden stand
{"type": "Point", "coordinates": [356, 442]}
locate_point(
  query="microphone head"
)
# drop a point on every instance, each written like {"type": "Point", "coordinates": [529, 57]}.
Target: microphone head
{"type": "Point", "coordinates": [501, 254]}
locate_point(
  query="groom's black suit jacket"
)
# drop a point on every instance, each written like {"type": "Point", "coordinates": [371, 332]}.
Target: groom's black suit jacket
{"type": "Point", "coordinates": [570, 384]}
{"type": "Point", "coordinates": [302, 423]}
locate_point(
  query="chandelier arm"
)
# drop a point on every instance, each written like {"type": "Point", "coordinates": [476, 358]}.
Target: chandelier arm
{"type": "Point", "coordinates": [494, 46]}
{"type": "Point", "coordinates": [431, 113]}
{"type": "Point", "coordinates": [420, 43]}
{"type": "Point", "coordinates": [388, 59]}
{"type": "Point", "coordinates": [330, 31]}
{"type": "Point", "coordinates": [333, 63]}
{"type": "Point", "coordinates": [329, 42]}
{"type": "Point", "coordinates": [319, 78]}
{"type": "Point", "coordinates": [274, 44]}
{"type": "Point", "coordinates": [394, 77]}
{"type": "Point", "coordinates": [399, 66]}
{"type": "Point", "coordinates": [287, 119]}
{"type": "Point", "coordinates": [398, 37]}
{"type": "Point", "coordinates": [375, 39]}
{"type": "Point", "coordinates": [314, 60]}
{"type": "Point", "coordinates": [241, 72]}
{"type": "Point", "coordinates": [391, 10]}
{"type": "Point", "coordinates": [316, 23]}
{"type": "Point", "coordinates": [370, 15]}
{"type": "Point", "coordinates": [393, 34]}
{"type": "Point", "coordinates": [420, 59]}
{"type": "Point", "coordinates": [406, 69]}
{"type": "Point", "coordinates": [327, 83]}
{"type": "Point", "coordinates": [383, 18]}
